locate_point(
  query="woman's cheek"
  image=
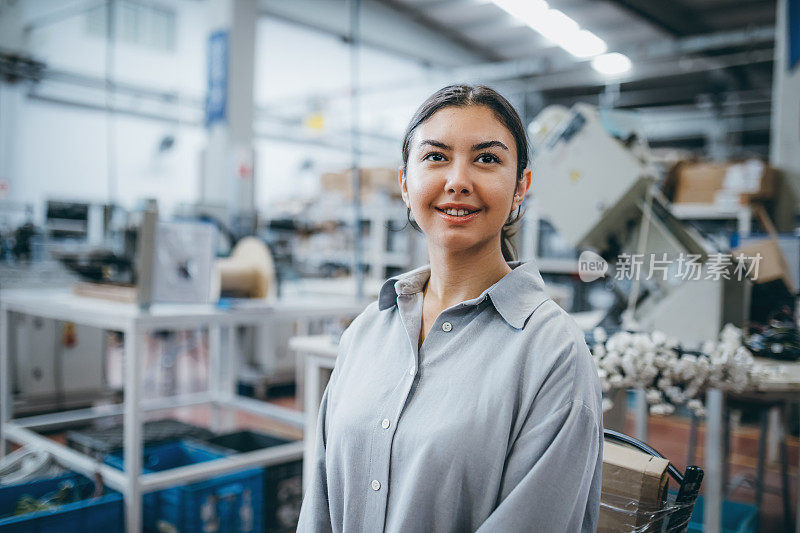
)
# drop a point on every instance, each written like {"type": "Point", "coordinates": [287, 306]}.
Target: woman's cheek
{"type": "Point", "coordinates": [423, 194]}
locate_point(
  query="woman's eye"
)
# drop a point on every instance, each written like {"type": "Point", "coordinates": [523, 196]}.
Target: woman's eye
{"type": "Point", "coordinates": [434, 156]}
{"type": "Point", "coordinates": [488, 158]}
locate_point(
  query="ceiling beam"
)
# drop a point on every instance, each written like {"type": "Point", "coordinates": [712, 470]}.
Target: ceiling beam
{"type": "Point", "coordinates": [670, 17]}
{"type": "Point", "coordinates": [735, 5]}
{"type": "Point", "coordinates": [539, 68]}
{"type": "Point", "coordinates": [416, 15]}
{"type": "Point", "coordinates": [682, 94]}
{"type": "Point", "coordinates": [583, 77]}
{"type": "Point", "coordinates": [382, 28]}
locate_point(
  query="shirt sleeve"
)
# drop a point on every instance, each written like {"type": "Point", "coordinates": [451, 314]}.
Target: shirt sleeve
{"type": "Point", "coordinates": [552, 475]}
{"type": "Point", "coordinates": [315, 511]}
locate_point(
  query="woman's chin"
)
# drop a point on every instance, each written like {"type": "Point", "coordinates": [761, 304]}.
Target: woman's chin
{"type": "Point", "coordinates": [459, 243]}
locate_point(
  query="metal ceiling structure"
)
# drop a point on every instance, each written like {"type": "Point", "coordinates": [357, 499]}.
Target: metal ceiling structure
{"type": "Point", "coordinates": [712, 57]}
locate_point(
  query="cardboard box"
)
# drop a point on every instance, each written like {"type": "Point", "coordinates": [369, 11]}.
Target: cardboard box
{"type": "Point", "coordinates": [772, 266]}
{"type": "Point", "coordinates": [694, 182]}
{"type": "Point", "coordinates": [702, 183]}
{"type": "Point", "coordinates": [634, 488]}
{"type": "Point", "coordinates": [373, 180]}
{"type": "Point", "coordinates": [730, 184]}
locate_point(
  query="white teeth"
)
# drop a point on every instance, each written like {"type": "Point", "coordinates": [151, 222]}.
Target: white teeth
{"type": "Point", "coordinates": [457, 212]}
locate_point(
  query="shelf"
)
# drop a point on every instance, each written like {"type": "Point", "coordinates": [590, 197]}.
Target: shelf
{"type": "Point", "coordinates": [66, 224]}
{"type": "Point", "coordinates": [223, 373]}
{"type": "Point", "coordinates": [707, 212]}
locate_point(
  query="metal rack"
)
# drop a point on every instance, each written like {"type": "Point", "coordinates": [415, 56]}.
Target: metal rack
{"type": "Point", "coordinates": [134, 323]}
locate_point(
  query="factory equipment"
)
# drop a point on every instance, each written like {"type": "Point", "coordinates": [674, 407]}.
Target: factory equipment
{"type": "Point", "coordinates": [248, 272]}
{"type": "Point", "coordinates": [64, 364]}
{"type": "Point", "coordinates": [182, 262]}
{"type": "Point", "coordinates": [596, 163]}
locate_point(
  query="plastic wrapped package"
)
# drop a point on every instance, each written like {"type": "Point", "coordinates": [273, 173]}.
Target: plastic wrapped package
{"type": "Point", "coordinates": [635, 493]}
{"type": "Point", "coordinates": [621, 514]}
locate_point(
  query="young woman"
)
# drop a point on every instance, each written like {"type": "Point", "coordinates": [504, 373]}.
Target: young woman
{"type": "Point", "coordinates": [464, 399]}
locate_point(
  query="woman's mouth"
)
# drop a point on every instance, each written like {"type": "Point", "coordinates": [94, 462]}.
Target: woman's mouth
{"type": "Point", "coordinates": [457, 215]}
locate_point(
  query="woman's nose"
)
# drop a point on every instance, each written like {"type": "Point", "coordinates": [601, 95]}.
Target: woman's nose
{"type": "Point", "coordinates": [458, 180]}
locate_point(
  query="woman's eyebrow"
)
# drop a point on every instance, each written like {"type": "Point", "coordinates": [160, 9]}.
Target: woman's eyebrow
{"type": "Point", "coordinates": [437, 144]}
{"type": "Point", "coordinates": [489, 144]}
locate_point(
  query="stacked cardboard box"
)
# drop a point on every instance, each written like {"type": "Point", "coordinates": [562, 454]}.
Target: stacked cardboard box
{"type": "Point", "coordinates": [729, 185]}
{"type": "Point", "coordinates": [373, 180]}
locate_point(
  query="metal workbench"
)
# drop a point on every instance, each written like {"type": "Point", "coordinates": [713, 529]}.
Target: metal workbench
{"type": "Point", "coordinates": [780, 380]}
{"type": "Point", "coordinates": [134, 323]}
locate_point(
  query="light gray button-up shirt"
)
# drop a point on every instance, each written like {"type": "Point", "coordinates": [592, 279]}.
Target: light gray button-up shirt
{"type": "Point", "coordinates": [494, 424]}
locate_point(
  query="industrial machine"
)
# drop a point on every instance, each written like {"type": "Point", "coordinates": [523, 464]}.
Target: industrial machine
{"type": "Point", "coordinates": [64, 365]}
{"type": "Point", "coordinates": [597, 164]}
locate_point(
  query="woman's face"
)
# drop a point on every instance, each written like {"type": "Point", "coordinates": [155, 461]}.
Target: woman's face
{"type": "Point", "coordinates": [461, 181]}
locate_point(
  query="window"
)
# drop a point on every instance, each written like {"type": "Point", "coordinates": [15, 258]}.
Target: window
{"type": "Point", "coordinates": [137, 23]}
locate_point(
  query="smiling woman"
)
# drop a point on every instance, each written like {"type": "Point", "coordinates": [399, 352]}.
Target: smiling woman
{"type": "Point", "coordinates": [464, 399]}
{"type": "Point", "coordinates": [461, 174]}
{"type": "Point", "coordinates": [453, 111]}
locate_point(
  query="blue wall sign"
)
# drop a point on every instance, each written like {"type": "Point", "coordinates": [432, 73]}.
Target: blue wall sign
{"type": "Point", "coordinates": [217, 96]}
{"type": "Point", "coordinates": [793, 32]}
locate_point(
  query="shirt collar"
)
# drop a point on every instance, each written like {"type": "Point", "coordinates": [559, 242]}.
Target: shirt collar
{"type": "Point", "coordinates": [516, 296]}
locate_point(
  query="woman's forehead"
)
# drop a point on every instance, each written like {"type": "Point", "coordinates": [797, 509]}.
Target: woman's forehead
{"type": "Point", "coordinates": [470, 125]}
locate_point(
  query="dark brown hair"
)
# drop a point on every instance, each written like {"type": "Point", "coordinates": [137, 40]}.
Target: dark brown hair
{"type": "Point", "coordinates": [475, 95]}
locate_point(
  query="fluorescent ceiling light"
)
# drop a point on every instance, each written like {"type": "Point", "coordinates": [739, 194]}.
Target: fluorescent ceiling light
{"type": "Point", "coordinates": [556, 22]}
{"type": "Point", "coordinates": [555, 26]}
{"type": "Point", "coordinates": [584, 44]}
{"type": "Point", "coordinates": [611, 64]}
{"type": "Point", "coordinates": [526, 11]}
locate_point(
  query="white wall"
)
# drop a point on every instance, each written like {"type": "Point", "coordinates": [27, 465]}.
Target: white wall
{"type": "Point", "coordinates": [293, 61]}
{"type": "Point", "coordinates": [61, 152]}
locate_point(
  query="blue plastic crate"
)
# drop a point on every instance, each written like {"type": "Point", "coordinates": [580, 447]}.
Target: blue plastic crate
{"type": "Point", "coordinates": [104, 513]}
{"type": "Point", "coordinates": [736, 517]}
{"type": "Point", "coordinates": [170, 455]}
{"type": "Point", "coordinates": [163, 457]}
{"type": "Point", "coordinates": [227, 503]}
{"type": "Point", "coordinates": [283, 491]}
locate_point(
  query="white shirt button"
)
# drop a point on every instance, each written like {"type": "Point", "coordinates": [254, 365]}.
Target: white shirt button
{"type": "Point", "coordinates": [385, 423]}
{"type": "Point", "coordinates": [376, 485]}
{"type": "Point", "coordinates": [447, 326]}
{"type": "Point", "coordinates": [411, 370]}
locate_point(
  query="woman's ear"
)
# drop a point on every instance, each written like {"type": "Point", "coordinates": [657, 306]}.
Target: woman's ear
{"type": "Point", "coordinates": [401, 178]}
{"type": "Point", "coordinates": [522, 188]}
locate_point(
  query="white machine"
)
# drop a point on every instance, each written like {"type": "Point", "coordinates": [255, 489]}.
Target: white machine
{"type": "Point", "coordinates": [64, 364]}
{"type": "Point", "coordinates": [183, 262]}
{"type": "Point", "coordinates": [596, 164]}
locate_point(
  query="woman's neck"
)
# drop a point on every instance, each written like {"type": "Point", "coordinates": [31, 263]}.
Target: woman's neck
{"type": "Point", "coordinates": [456, 277]}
